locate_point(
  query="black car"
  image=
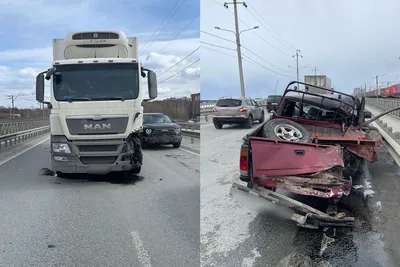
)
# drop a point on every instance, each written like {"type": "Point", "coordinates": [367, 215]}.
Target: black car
{"type": "Point", "coordinates": [158, 129]}
{"type": "Point", "coordinates": [272, 102]}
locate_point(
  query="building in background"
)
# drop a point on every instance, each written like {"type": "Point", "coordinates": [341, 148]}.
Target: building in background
{"type": "Point", "coordinates": [318, 80]}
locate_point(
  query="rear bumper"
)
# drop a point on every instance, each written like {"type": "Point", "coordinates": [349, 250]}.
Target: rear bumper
{"type": "Point", "coordinates": [162, 139]}
{"type": "Point", "coordinates": [321, 185]}
{"type": "Point", "coordinates": [228, 120]}
{"type": "Point", "coordinates": [261, 200]}
{"type": "Point", "coordinates": [91, 157]}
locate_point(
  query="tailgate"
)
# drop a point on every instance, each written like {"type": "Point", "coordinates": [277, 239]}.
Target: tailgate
{"type": "Point", "coordinates": [279, 158]}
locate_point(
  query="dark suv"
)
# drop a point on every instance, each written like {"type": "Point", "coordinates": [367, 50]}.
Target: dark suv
{"type": "Point", "coordinates": [272, 102]}
{"type": "Point", "coordinates": [159, 129]}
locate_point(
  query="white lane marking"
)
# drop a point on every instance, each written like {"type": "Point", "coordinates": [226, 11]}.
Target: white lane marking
{"type": "Point", "coordinates": [141, 252]}
{"type": "Point", "coordinates": [23, 151]}
{"type": "Point", "coordinates": [191, 152]}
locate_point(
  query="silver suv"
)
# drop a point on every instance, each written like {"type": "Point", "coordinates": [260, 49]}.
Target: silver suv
{"type": "Point", "coordinates": [237, 111]}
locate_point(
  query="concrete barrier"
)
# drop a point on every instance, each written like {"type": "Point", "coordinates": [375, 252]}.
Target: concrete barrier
{"type": "Point", "coordinates": [389, 128]}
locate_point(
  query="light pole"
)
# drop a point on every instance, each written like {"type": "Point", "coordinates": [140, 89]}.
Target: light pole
{"type": "Point", "coordinates": [239, 54]}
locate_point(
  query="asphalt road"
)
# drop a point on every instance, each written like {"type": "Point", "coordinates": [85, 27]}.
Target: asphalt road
{"type": "Point", "coordinates": [146, 221]}
{"type": "Point", "coordinates": [232, 235]}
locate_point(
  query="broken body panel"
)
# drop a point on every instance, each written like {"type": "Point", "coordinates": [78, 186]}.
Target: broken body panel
{"type": "Point", "coordinates": [312, 166]}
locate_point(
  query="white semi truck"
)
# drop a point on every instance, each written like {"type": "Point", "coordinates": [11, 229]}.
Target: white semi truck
{"type": "Point", "coordinates": [96, 103]}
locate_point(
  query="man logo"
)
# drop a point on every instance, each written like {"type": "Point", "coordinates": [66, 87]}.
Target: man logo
{"type": "Point", "coordinates": [97, 126]}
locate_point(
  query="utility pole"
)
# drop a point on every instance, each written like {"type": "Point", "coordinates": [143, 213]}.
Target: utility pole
{"type": "Point", "coordinates": [12, 98]}
{"type": "Point", "coordinates": [237, 33]}
{"type": "Point", "coordinates": [276, 86]}
{"type": "Point", "coordinates": [297, 62]}
{"type": "Point", "coordinates": [315, 70]}
{"type": "Point", "coordinates": [377, 89]}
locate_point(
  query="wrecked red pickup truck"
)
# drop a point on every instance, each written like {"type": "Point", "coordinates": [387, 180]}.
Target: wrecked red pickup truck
{"type": "Point", "coordinates": [311, 145]}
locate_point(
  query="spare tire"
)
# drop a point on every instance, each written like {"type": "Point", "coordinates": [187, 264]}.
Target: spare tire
{"type": "Point", "coordinates": [286, 130]}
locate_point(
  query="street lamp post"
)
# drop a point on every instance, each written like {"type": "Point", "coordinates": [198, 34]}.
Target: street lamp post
{"type": "Point", "coordinates": [239, 54]}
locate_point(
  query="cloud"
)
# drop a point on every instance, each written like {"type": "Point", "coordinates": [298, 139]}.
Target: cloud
{"type": "Point", "coordinates": [29, 52]}
{"type": "Point", "coordinates": [349, 41]}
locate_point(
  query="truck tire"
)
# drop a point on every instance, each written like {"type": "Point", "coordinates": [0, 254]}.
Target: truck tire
{"type": "Point", "coordinates": [139, 153]}
{"type": "Point", "coordinates": [136, 170]}
{"type": "Point", "coordinates": [286, 130]}
{"type": "Point", "coordinates": [262, 117]}
{"type": "Point", "coordinates": [352, 163]}
{"type": "Point", "coordinates": [249, 123]}
{"type": "Point", "coordinates": [65, 175]}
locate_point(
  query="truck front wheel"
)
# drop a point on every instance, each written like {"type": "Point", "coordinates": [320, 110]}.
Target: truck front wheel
{"type": "Point", "coordinates": [136, 170]}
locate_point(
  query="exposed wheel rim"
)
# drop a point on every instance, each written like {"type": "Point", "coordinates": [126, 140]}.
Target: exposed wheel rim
{"type": "Point", "coordinates": [287, 132]}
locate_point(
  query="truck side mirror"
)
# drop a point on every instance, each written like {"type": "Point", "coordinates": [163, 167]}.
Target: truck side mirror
{"type": "Point", "coordinates": [40, 88]}
{"type": "Point", "coordinates": [152, 84]}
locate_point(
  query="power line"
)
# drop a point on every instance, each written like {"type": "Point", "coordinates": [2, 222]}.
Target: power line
{"type": "Point", "coordinates": [223, 47]}
{"type": "Point", "coordinates": [241, 46]}
{"type": "Point", "coordinates": [187, 25]}
{"type": "Point", "coordinates": [179, 71]}
{"type": "Point", "coordinates": [179, 7]}
{"type": "Point", "coordinates": [261, 36]}
{"type": "Point", "coordinates": [161, 24]}
{"type": "Point", "coordinates": [255, 11]}
{"type": "Point", "coordinates": [180, 61]}
{"type": "Point", "coordinates": [261, 65]}
{"type": "Point", "coordinates": [264, 59]}
{"type": "Point", "coordinates": [222, 38]}
{"type": "Point", "coordinates": [219, 51]}
{"type": "Point", "coordinates": [247, 59]}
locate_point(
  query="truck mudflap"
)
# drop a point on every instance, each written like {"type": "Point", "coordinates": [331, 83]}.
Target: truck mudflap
{"type": "Point", "coordinates": [305, 216]}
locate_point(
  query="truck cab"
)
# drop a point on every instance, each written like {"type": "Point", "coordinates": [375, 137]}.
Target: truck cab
{"type": "Point", "coordinates": [96, 103]}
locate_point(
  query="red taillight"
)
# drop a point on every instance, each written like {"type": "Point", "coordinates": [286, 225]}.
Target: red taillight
{"type": "Point", "coordinates": [242, 109]}
{"type": "Point", "coordinates": [243, 159]}
{"type": "Point", "coordinates": [214, 110]}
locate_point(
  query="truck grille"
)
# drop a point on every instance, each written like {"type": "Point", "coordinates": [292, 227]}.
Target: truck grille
{"type": "Point", "coordinates": [95, 35]}
{"type": "Point", "coordinates": [97, 148]}
{"type": "Point", "coordinates": [98, 160]}
{"type": "Point", "coordinates": [88, 126]}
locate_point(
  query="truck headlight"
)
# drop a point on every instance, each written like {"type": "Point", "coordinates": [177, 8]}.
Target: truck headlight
{"type": "Point", "coordinates": [177, 130]}
{"type": "Point", "coordinates": [148, 131]}
{"type": "Point", "coordinates": [61, 148]}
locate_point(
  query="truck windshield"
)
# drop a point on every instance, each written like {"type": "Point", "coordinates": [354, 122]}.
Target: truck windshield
{"type": "Point", "coordinates": [96, 82]}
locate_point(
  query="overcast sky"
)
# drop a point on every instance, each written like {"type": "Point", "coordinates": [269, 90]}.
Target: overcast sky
{"type": "Point", "coordinates": [349, 41]}
{"type": "Point", "coordinates": [27, 29]}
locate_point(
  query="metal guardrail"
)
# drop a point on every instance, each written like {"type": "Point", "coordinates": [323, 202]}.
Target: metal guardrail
{"type": "Point", "coordinates": [11, 126]}
{"type": "Point", "coordinates": [191, 133]}
{"type": "Point", "coordinates": [20, 137]}
{"type": "Point", "coordinates": [385, 104]}
{"type": "Point", "coordinates": [189, 125]}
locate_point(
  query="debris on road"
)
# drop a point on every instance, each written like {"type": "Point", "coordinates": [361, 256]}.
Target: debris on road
{"type": "Point", "coordinates": [297, 259]}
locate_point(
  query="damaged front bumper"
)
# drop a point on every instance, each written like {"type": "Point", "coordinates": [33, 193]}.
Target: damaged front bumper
{"type": "Point", "coordinates": [305, 216]}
